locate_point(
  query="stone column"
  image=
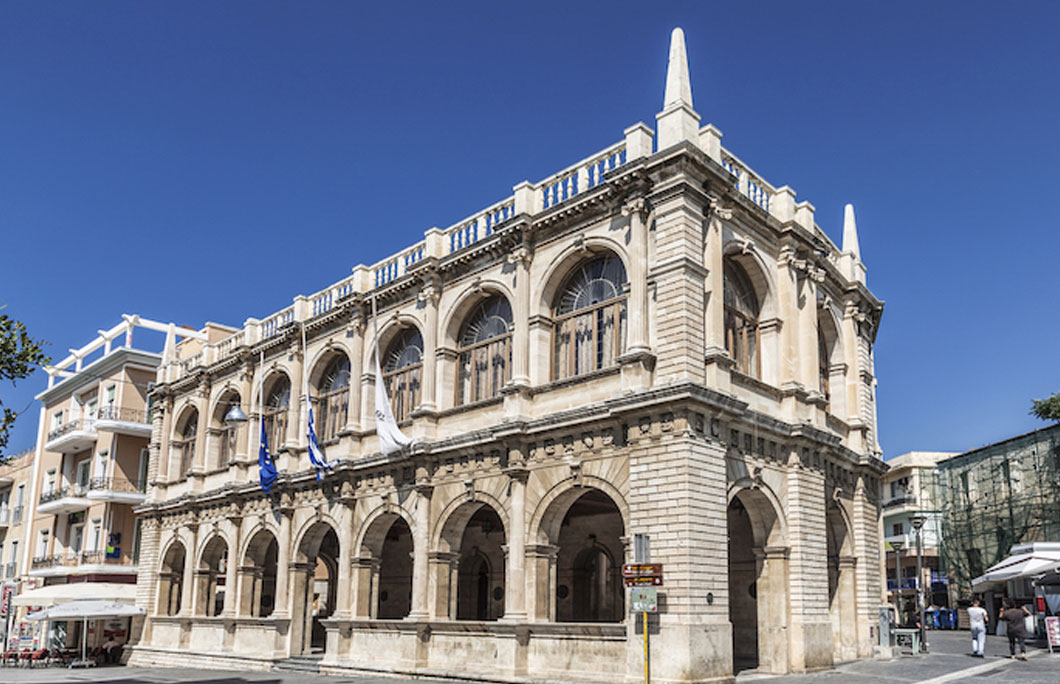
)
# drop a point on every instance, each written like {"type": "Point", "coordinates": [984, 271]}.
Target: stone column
{"type": "Point", "coordinates": [301, 614]}
{"type": "Point", "coordinates": [187, 591]}
{"type": "Point", "coordinates": [202, 428]}
{"type": "Point", "coordinates": [429, 295]}
{"type": "Point", "coordinates": [342, 590]}
{"type": "Point", "coordinates": [771, 565]}
{"type": "Point", "coordinates": [249, 591]}
{"type": "Point", "coordinates": [232, 587]}
{"type": "Point", "coordinates": [521, 258]}
{"type": "Point", "coordinates": [283, 560]}
{"type": "Point", "coordinates": [717, 357]}
{"type": "Point", "coordinates": [158, 468]}
{"type": "Point", "coordinates": [443, 584]}
{"type": "Point", "coordinates": [246, 402]}
{"type": "Point", "coordinates": [356, 335]}
{"type": "Point", "coordinates": [421, 540]}
{"type": "Point", "coordinates": [811, 626]}
{"type": "Point", "coordinates": [295, 422]}
{"type": "Point", "coordinates": [636, 208]}
{"type": "Point", "coordinates": [365, 570]}
{"type": "Point", "coordinates": [541, 563]}
{"type": "Point", "coordinates": [515, 581]}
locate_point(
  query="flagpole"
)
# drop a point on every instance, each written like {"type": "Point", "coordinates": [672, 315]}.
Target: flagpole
{"type": "Point", "coordinates": [261, 396]}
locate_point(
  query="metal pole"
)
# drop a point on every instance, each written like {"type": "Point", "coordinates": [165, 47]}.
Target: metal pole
{"type": "Point", "coordinates": [897, 586]}
{"type": "Point", "coordinates": [647, 653]}
{"type": "Point", "coordinates": [920, 593]}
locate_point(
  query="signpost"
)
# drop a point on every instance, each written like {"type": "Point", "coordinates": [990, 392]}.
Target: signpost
{"type": "Point", "coordinates": [1052, 631]}
{"type": "Point", "coordinates": [643, 576]}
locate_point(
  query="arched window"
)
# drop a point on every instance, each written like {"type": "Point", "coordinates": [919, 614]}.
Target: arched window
{"type": "Point", "coordinates": [333, 405]}
{"type": "Point", "coordinates": [402, 369]}
{"type": "Point", "coordinates": [189, 436]}
{"type": "Point", "coordinates": [277, 400]}
{"type": "Point", "coordinates": [224, 447]}
{"type": "Point", "coordinates": [590, 318]}
{"type": "Point", "coordinates": [741, 320]}
{"type": "Point", "coordinates": [485, 351]}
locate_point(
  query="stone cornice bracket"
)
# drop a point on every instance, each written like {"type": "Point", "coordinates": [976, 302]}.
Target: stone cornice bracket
{"type": "Point", "coordinates": [518, 472]}
{"type": "Point", "coordinates": [424, 489]}
{"type": "Point", "coordinates": [636, 205]}
{"type": "Point", "coordinates": [357, 322]}
{"type": "Point", "coordinates": [746, 244]}
{"type": "Point", "coordinates": [430, 292]}
{"type": "Point", "coordinates": [204, 387]}
{"type": "Point", "coordinates": [520, 256]}
{"type": "Point", "coordinates": [719, 207]}
{"type": "Point", "coordinates": [581, 245]}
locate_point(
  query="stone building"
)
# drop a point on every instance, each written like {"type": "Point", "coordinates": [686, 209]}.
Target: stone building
{"type": "Point", "coordinates": [653, 340]}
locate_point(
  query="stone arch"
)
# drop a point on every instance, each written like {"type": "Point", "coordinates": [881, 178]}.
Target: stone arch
{"type": "Point", "coordinates": [386, 546]}
{"type": "Point", "coordinates": [388, 330]}
{"type": "Point", "coordinates": [559, 268]}
{"type": "Point", "coordinates": [586, 526]}
{"type": "Point", "coordinates": [257, 572]}
{"type": "Point", "coordinates": [758, 271]}
{"type": "Point", "coordinates": [322, 357]}
{"type": "Point", "coordinates": [313, 578]}
{"type": "Point", "coordinates": [273, 374]}
{"type": "Point", "coordinates": [842, 581]}
{"type": "Point", "coordinates": [172, 567]}
{"type": "Point", "coordinates": [546, 518]}
{"type": "Point", "coordinates": [456, 314]}
{"type": "Point", "coordinates": [210, 575]}
{"type": "Point", "coordinates": [757, 578]}
{"type": "Point", "coordinates": [454, 517]}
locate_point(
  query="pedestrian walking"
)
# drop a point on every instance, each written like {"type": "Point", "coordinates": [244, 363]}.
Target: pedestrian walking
{"type": "Point", "coordinates": [1016, 626]}
{"type": "Point", "coordinates": [977, 619]}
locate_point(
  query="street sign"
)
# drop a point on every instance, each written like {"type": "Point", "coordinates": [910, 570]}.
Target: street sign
{"type": "Point", "coordinates": [642, 574]}
{"type": "Point", "coordinates": [644, 600]}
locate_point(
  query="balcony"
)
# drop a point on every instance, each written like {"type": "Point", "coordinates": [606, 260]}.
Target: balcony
{"type": "Point", "coordinates": [64, 500]}
{"type": "Point", "coordinates": [77, 435]}
{"type": "Point", "coordinates": [124, 421]}
{"type": "Point", "coordinates": [80, 563]}
{"type": "Point", "coordinates": [115, 490]}
{"type": "Point", "coordinates": [908, 584]}
{"type": "Point", "coordinates": [900, 500]}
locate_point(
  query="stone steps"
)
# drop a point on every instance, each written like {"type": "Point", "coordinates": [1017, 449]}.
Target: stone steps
{"type": "Point", "coordinates": [299, 664]}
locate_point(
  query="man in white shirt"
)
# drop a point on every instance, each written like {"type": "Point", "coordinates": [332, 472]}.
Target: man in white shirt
{"type": "Point", "coordinates": [977, 619]}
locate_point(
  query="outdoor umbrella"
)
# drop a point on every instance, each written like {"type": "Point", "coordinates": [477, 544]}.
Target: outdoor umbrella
{"type": "Point", "coordinates": [85, 610]}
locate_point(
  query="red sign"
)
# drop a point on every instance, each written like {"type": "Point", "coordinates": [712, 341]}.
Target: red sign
{"type": "Point", "coordinates": [5, 599]}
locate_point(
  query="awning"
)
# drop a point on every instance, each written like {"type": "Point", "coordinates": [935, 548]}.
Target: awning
{"type": "Point", "coordinates": [86, 610]}
{"type": "Point", "coordinates": [1027, 560]}
{"type": "Point", "coordinates": [63, 593]}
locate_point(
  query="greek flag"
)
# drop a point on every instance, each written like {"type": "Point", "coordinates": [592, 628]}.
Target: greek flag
{"type": "Point", "coordinates": [266, 467]}
{"type": "Point", "coordinates": [316, 456]}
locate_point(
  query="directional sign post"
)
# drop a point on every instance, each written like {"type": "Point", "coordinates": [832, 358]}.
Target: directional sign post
{"type": "Point", "coordinates": [644, 600]}
{"type": "Point", "coordinates": [643, 576]}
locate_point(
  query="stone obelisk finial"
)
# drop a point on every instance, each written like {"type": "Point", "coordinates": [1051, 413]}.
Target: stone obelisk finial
{"type": "Point", "coordinates": [678, 85]}
{"type": "Point", "coordinates": [678, 121]}
{"type": "Point", "coordinates": [850, 232]}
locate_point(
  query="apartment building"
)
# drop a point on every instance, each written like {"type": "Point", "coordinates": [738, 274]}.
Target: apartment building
{"type": "Point", "coordinates": [15, 478]}
{"type": "Point", "coordinates": [90, 468]}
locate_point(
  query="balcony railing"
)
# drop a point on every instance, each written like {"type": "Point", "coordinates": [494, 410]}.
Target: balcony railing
{"type": "Point", "coordinates": [899, 500]}
{"type": "Point", "coordinates": [116, 484]}
{"type": "Point", "coordinates": [61, 493]}
{"type": "Point", "coordinates": [124, 414]}
{"type": "Point", "coordinates": [41, 562]}
{"type": "Point", "coordinates": [72, 426]}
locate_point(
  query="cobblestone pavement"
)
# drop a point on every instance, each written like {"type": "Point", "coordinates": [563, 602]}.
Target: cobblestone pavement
{"type": "Point", "coordinates": [949, 661]}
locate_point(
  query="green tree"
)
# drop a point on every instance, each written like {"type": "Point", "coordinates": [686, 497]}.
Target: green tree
{"type": "Point", "coordinates": [1048, 408]}
{"type": "Point", "coordinates": [20, 355]}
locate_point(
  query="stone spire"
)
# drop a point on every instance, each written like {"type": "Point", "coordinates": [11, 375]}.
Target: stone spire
{"type": "Point", "coordinates": [678, 85]}
{"type": "Point", "coordinates": [677, 122]}
{"type": "Point", "coordinates": [850, 232]}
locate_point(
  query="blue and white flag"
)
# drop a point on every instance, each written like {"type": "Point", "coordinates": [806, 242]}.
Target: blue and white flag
{"type": "Point", "coordinates": [266, 467]}
{"type": "Point", "coordinates": [316, 456]}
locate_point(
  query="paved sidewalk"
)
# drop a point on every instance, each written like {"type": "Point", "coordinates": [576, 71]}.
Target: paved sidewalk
{"type": "Point", "coordinates": [948, 661]}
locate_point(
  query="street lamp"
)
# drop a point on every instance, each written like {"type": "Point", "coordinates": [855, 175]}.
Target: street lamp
{"type": "Point", "coordinates": [917, 521]}
{"type": "Point", "coordinates": [897, 545]}
{"type": "Point", "coordinates": [235, 416]}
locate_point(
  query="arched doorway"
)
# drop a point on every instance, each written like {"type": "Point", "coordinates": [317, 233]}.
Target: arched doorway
{"type": "Point", "coordinates": [257, 575]}
{"type": "Point", "coordinates": [213, 565]}
{"type": "Point", "coordinates": [394, 593]}
{"type": "Point", "coordinates": [480, 575]}
{"type": "Point", "coordinates": [842, 590]}
{"type": "Point", "coordinates": [758, 576]}
{"type": "Point", "coordinates": [171, 580]}
{"type": "Point", "coordinates": [589, 561]}
{"type": "Point", "coordinates": [314, 579]}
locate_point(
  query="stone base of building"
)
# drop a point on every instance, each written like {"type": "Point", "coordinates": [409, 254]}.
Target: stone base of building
{"type": "Point", "coordinates": [153, 656]}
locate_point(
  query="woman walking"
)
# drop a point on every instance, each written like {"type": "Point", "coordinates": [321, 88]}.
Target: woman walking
{"type": "Point", "coordinates": [1016, 628]}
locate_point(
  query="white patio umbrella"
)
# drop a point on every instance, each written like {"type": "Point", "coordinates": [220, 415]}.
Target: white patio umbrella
{"type": "Point", "coordinates": [86, 610]}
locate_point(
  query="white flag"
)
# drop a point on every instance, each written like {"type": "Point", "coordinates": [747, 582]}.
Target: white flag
{"type": "Point", "coordinates": [391, 439]}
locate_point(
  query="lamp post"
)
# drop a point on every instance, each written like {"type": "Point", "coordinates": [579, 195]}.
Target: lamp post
{"type": "Point", "coordinates": [917, 521]}
{"type": "Point", "coordinates": [897, 545]}
{"type": "Point", "coordinates": [233, 420]}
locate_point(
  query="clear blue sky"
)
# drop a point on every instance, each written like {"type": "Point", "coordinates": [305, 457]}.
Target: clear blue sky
{"type": "Point", "coordinates": [200, 161]}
